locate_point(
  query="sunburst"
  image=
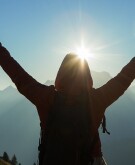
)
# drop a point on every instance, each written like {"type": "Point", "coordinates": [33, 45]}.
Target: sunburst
{"type": "Point", "coordinates": [83, 51]}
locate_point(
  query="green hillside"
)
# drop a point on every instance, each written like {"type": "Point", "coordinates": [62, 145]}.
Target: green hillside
{"type": "Point", "coordinates": [2, 162]}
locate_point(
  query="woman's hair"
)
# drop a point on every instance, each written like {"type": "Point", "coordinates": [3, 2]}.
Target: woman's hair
{"type": "Point", "coordinates": [74, 74]}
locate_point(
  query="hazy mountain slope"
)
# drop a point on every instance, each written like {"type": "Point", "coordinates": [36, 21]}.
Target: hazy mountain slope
{"type": "Point", "coordinates": [9, 97]}
{"type": "Point", "coordinates": [120, 152]}
{"type": "Point", "coordinates": [100, 78]}
{"type": "Point", "coordinates": [19, 129]}
{"type": "Point", "coordinates": [119, 147]}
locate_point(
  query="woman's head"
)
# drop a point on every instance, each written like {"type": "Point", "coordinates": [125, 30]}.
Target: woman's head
{"type": "Point", "coordinates": [73, 75]}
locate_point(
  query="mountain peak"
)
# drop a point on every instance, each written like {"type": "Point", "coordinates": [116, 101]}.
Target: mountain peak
{"type": "Point", "coordinates": [9, 88]}
{"type": "Point", "coordinates": [49, 82]}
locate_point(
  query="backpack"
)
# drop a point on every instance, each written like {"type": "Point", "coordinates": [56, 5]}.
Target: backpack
{"type": "Point", "coordinates": [67, 138]}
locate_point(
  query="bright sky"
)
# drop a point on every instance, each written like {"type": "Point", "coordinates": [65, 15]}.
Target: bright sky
{"type": "Point", "coordinates": [40, 33]}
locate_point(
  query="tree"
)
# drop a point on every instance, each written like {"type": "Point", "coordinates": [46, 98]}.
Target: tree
{"type": "Point", "coordinates": [6, 157]}
{"type": "Point", "coordinates": [14, 160]}
{"type": "Point", "coordinates": [34, 164]}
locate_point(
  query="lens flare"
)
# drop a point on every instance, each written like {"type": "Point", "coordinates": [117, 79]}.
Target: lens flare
{"type": "Point", "coordinates": [83, 52]}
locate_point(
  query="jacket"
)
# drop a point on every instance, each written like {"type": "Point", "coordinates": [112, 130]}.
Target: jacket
{"type": "Point", "coordinates": [42, 96]}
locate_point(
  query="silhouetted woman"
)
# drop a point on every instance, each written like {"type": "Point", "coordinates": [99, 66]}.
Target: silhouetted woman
{"type": "Point", "coordinates": [74, 83]}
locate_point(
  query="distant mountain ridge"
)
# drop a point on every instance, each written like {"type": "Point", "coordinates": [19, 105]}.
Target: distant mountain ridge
{"type": "Point", "coordinates": [102, 76]}
{"type": "Point", "coordinates": [20, 126]}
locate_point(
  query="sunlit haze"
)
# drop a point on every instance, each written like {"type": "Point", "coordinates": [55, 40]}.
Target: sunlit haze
{"type": "Point", "coordinates": [39, 34]}
{"type": "Point", "coordinates": [83, 51]}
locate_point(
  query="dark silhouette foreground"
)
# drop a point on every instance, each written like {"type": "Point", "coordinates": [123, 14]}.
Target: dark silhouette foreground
{"type": "Point", "coordinates": [72, 100]}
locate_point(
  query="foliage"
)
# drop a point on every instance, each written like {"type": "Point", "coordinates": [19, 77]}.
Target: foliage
{"type": "Point", "coordinates": [5, 160]}
{"type": "Point", "coordinates": [5, 157]}
{"type": "Point", "coordinates": [14, 160]}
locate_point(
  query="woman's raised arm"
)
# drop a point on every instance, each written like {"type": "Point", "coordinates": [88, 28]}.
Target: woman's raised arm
{"type": "Point", "coordinates": [114, 88]}
{"type": "Point", "coordinates": [26, 84]}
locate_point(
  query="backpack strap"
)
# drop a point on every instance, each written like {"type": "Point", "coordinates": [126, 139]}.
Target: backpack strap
{"type": "Point", "coordinates": [104, 126]}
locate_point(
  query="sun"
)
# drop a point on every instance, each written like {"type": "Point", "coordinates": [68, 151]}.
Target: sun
{"type": "Point", "coordinates": [83, 52]}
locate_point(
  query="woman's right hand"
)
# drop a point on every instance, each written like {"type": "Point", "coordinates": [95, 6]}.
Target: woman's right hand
{"type": "Point", "coordinates": [3, 50]}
